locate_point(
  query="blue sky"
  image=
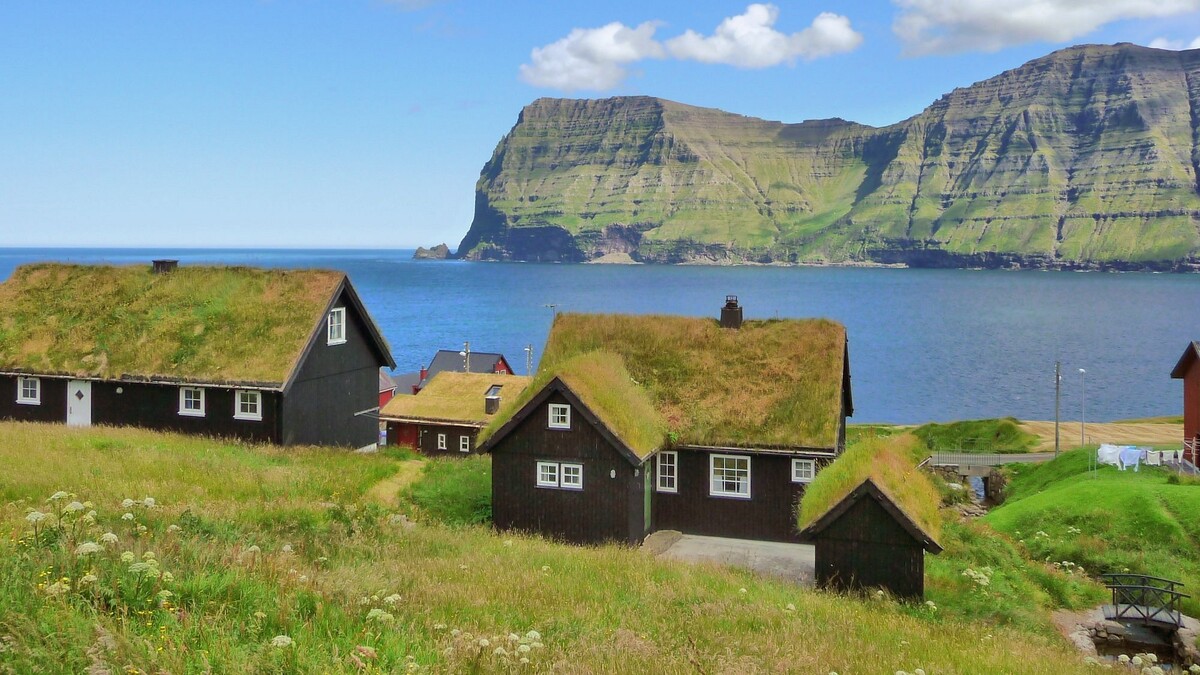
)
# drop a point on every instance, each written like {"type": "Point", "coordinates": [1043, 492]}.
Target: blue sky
{"type": "Point", "coordinates": [364, 123]}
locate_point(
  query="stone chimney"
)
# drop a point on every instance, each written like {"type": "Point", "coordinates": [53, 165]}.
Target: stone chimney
{"type": "Point", "coordinates": [165, 266]}
{"type": "Point", "coordinates": [731, 313]}
{"type": "Point", "coordinates": [491, 400]}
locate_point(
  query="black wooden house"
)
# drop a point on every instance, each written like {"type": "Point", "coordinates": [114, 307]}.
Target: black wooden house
{"type": "Point", "coordinates": [737, 419]}
{"type": "Point", "coordinates": [867, 540]}
{"type": "Point", "coordinates": [281, 356]}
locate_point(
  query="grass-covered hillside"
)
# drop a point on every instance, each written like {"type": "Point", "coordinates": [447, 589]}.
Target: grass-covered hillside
{"type": "Point", "coordinates": [1106, 521]}
{"type": "Point", "coordinates": [160, 553]}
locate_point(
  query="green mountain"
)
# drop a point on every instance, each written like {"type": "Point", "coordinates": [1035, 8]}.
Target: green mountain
{"type": "Point", "coordinates": [1084, 158]}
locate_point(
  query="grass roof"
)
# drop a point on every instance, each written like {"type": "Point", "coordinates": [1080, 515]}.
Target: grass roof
{"type": "Point", "coordinates": [601, 381]}
{"type": "Point", "coordinates": [774, 383]}
{"type": "Point", "coordinates": [454, 397]}
{"type": "Point", "coordinates": [214, 324]}
{"type": "Point", "coordinates": [891, 462]}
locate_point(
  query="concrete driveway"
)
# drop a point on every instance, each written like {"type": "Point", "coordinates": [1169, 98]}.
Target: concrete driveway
{"type": "Point", "coordinates": [792, 562]}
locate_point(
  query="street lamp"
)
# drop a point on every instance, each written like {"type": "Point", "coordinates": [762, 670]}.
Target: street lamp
{"type": "Point", "coordinates": [466, 354]}
{"type": "Point", "coordinates": [1082, 403]}
{"type": "Point", "coordinates": [528, 359]}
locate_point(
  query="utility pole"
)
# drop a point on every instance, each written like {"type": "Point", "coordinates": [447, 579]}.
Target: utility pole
{"type": "Point", "coordinates": [1082, 404]}
{"type": "Point", "coordinates": [529, 359]}
{"type": "Point", "coordinates": [1057, 398]}
{"type": "Point", "coordinates": [466, 354]}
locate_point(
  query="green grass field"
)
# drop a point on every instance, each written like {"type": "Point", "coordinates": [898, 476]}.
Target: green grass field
{"type": "Point", "coordinates": [1107, 521]}
{"type": "Point", "coordinates": [265, 560]}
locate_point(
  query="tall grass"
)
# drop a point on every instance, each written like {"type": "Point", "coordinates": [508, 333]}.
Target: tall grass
{"type": "Point", "coordinates": [279, 567]}
{"type": "Point", "coordinates": [982, 436]}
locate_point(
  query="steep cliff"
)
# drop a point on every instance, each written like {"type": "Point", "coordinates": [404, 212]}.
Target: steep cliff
{"type": "Point", "coordinates": [1084, 158]}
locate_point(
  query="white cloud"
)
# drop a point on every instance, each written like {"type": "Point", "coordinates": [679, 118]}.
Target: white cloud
{"type": "Point", "coordinates": [1176, 45]}
{"type": "Point", "coordinates": [591, 58]}
{"type": "Point", "coordinates": [750, 40]}
{"type": "Point", "coordinates": [945, 26]}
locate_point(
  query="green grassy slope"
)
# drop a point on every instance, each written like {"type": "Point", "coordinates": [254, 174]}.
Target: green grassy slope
{"type": "Point", "coordinates": [263, 543]}
{"type": "Point", "coordinates": [1109, 521]}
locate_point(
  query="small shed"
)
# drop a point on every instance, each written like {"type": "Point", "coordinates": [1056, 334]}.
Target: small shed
{"type": "Point", "coordinates": [1187, 370]}
{"type": "Point", "coordinates": [867, 540]}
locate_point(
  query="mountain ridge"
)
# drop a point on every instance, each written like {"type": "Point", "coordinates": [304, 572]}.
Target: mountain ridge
{"type": "Point", "coordinates": [1085, 158]}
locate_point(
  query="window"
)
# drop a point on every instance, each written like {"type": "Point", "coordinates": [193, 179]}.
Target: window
{"type": "Point", "coordinates": [730, 476]}
{"type": "Point", "coordinates": [547, 474]}
{"type": "Point", "coordinates": [248, 405]}
{"type": "Point", "coordinates": [572, 476]}
{"type": "Point", "coordinates": [564, 475]}
{"type": "Point", "coordinates": [191, 401]}
{"type": "Point", "coordinates": [560, 416]}
{"type": "Point", "coordinates": [668, 463]}
{"type": "Point", "coordinates": [336, 333]}
{"type": "Point", "coordinates": [803, 470]}
{"type": "Point", "coordinates": [464, 443]}
{"type": "Point", "coordinates": [29, 390]}
{"type": "Point", "coordinates": [441, 441]}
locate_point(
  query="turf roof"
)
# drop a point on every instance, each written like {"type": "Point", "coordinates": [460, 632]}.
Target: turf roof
{"type": "Point", "coordinates": [770, 384]}
{"type": "Point", "coordinates": [208, 324]}
{"type": "Point", "coordinates": [602, 383]}
{"type": "Point", "coordinates": [454, 397]}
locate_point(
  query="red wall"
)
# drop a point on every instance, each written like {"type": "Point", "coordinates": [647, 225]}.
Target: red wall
{"type": "Point", "coordinates": [1191, 401]}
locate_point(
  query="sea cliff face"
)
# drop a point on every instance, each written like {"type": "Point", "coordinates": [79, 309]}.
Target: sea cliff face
{"type": "Point", "coordinates": [1086, 158]}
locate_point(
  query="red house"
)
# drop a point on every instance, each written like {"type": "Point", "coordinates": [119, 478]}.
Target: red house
{"type": "Point", "coordinates": [1189, 372]}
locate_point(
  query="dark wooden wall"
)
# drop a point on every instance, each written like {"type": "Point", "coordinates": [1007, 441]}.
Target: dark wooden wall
{"type": "Point", "coordinates": [769, 514]}
{"type": "Point", "coordinates": [867, 548]}
{"type": "Point", "coordinates": [150, 406]}
{"type": "Point", "coordinates": [334, 382]}
{"type": "Point", "coordinates": [607, 509]}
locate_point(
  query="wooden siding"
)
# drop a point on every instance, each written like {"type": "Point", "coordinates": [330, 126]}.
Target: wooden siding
{"type": "Point", "coordinates": [866, 548]}
{"type": "Point", "coordinates": [1191, 401]}
{"type": "Point", "coordinates": [607, 509]}
{"type": "Point", "coordinates": [334, 383]}
{"type": "Point", "coordinates": [769, 514]}
{"type": "Point", "coordinates": [150, 406]}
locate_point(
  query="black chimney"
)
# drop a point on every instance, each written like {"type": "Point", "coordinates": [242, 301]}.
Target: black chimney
{"type": "Point", "coordinates": [731, 313]}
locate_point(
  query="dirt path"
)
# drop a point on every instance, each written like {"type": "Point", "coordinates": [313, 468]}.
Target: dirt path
{"type": "Point", "coordinates": [385, 491]}
{"type": "Point", "coordinates": [1120, 433]}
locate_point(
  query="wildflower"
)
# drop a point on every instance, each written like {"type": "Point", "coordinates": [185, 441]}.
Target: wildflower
{"type": "Point", "coordinates": [392, 599]}
{"type": "Point", "coordinates": [500, 651]}
{"type": "Point", "coordinates": [260, 616]}
{"type": "Point", "coordinates": [141, 529]}
{"type": "Point", "coordinates": [127, 516]}
{"type": "Point", "coordinates": [1123, 658]}
{"type": "Point", "coordinates": [73, 507]}
{"type": "Point", "coordinates": [58, 496]}
{"type": "Point", "coordinates": [281, 641]}
{"type": "Point", "coordinates": [513, 637]}
{"type": "Point", "coordinates": [57, 588]}
{"type": "Point", "coordinates": [108, 538]}
{"type": "Point", "coordinates": [523, 649]}
{"type": "Point", "coordinates": [930, 604]}
{"type": "Point", "coordinates": [439, 626]}
{"type": "Point", "coordinates": [484, 642]}
{"type": "Point", "coordinates": [253, 550]}
{"type": "Point", "coordinates": [533, 635]}
{"type": "Point", "coordinates": [128, 557]}
{"type": "Point", "coordinates": [919, 671]}
{"type": "Point", "coordinates": [462, 567]}
{"type": "Point", "coordinates": [167, 577]}
{"type": "Point", "coordinates": [742, 590]}
{"type": "Point", "coordinates": [286, 548]}
{"type": "Point", "coordinates": [164, 595]}
{"type": "Point", "coordinates": [380, 616]}
{"type": "Point", "coordinates": [87, 579]}
{"type": "Point", "coordinates": [545, 568]}
{"type": "Point", "coordinates": [1135, 661]}
{"type": "Point", "coordinates": [127, 503]}
{"type": "Point", "coordinates": [88, 548]}
{"type": "Point", "coordinates": [322, 560]}
{"type": "Point", "coordinates": [89, 517]}
{"type": "Point", "coordinates": [303, 578]}
{"type": "Point", "coordinates": [508, 542]}
{"type": "Point", "coordinates": [148, 556]}
{"type": "Point", "coordinates": [149, 502]}
{"type": "Point", "coordinates": [524, 661]}
{"type": "Point", "coordinates": [173, 528]}
{"type": "Point", "coordinates": [366, 651]}
{"type": "Point", "coordinates": [35, 517]}
{"type": "Point", "coordinates": [537, 645]}
{"type": "Point", "coordinates": [456, 632]}
{"type": "Point", "coordinates": [789, 607]}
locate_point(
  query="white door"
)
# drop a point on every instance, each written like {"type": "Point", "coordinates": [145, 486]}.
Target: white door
{"type": "Point", "coordinates": [79, 403]}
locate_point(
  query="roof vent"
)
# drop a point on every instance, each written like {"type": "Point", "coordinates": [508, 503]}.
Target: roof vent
{"type": "Point", "coordinates": [731, 313]}
{"type": "Point", "coordinates": [165, 266]}
{"type": "Point", "coordinates": [491, 400]}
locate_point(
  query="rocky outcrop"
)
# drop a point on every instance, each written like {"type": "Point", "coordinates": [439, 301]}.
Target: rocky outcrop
{"type": "Point", "coordinates": [439, 252]}
{"type": "Point", "coordinates": [1084, 159]}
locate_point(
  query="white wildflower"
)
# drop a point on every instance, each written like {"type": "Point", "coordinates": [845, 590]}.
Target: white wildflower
{"type": "Point", "coordinates": [73, 507]}
{"type": "Point", "coordinates": [88, 548]}
{"type": "Point", "coordinates": [167, 577]}
{"type": "Point", "coordinates": [127, 503]}
{"type": "Point", "coordinates": [164, 595]}
{"type": "Point", "coordinates": [58, 496]}
{"type": "Point", "coordinates": [281, 641]}
{"type": "Point", "coordinates": [253, 549]}
{"type": "Point", "coordinates": [286, 548]}
{"type": "Point", "coordinates": [500, 651]}
{"type": "Point", "coordinates": [545, 568]}
{"type": "Point", "coordinates": [128, 557]}
{"type": "Point", "coordinates": [533, 635]}
{"type": "Point", "coordinates": [439, 626]}
{"type": "Point", "coordinates": [149, 502]}
{"type": "Point", "coordinates": [148, 556]}
{"type": "Point", "coordinates": [127, 516]}
{"type": "Point", "coordinates": [919, 671]}
{"type": "Point", "coordinates": [524, 649]}
{"type": "Point", "coordinates": [57, 588]}
{"type": "Point", "coordinates": [173, 528]}
{"type": "Point", "coordinates": [380, 616]}
{"type": "Point", "coordinates": [303, 578]}
{"type": "Point", "coordinates": [35, 516]}
{"type": "Point", "coordinates": [742, 590]}
{"type": "Point", "coordinates": [87, 579]}
{"type": "Point", "coordinates": [484, 642]}
{"type": "Point", "coordinates": [392, 599]}
{"type": "Point", "coordinates": [456, 632]}
{"type": "Point", "coordinates": [524, 661]}
{"type": "Point", "coordinates": [789, 607]}
{"type": "Point", "coordinates": [1123, 658]}
{"type": "Point", "coordinates": [1136, 661]}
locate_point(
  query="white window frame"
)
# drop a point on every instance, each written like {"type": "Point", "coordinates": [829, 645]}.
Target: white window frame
{"type": "Point", "coordinates": [252, 396]}
{"type": "Point", "coordinates": [335, 326]}
{"type": "Point", "coordinates": [797, 476]}
{"type": "Point", "coordinates": [714, 490]}
{"type": "Point", "coordinates": [441, 441]}
{"type": "Point", "coordinates": [547, 474]}
{"type": "Point", "coordinates": [560, 410]}
{"type": "Point", "coordinates": [464, 443]}
{"type": "Point", "coordinates": [183, 401]}
{"type": "Point", "coordinates": [570, 476]}
{"type": "Point", "coordinates": [36, 398]}
{"type": "Point", "coordinates": [665, 481]}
